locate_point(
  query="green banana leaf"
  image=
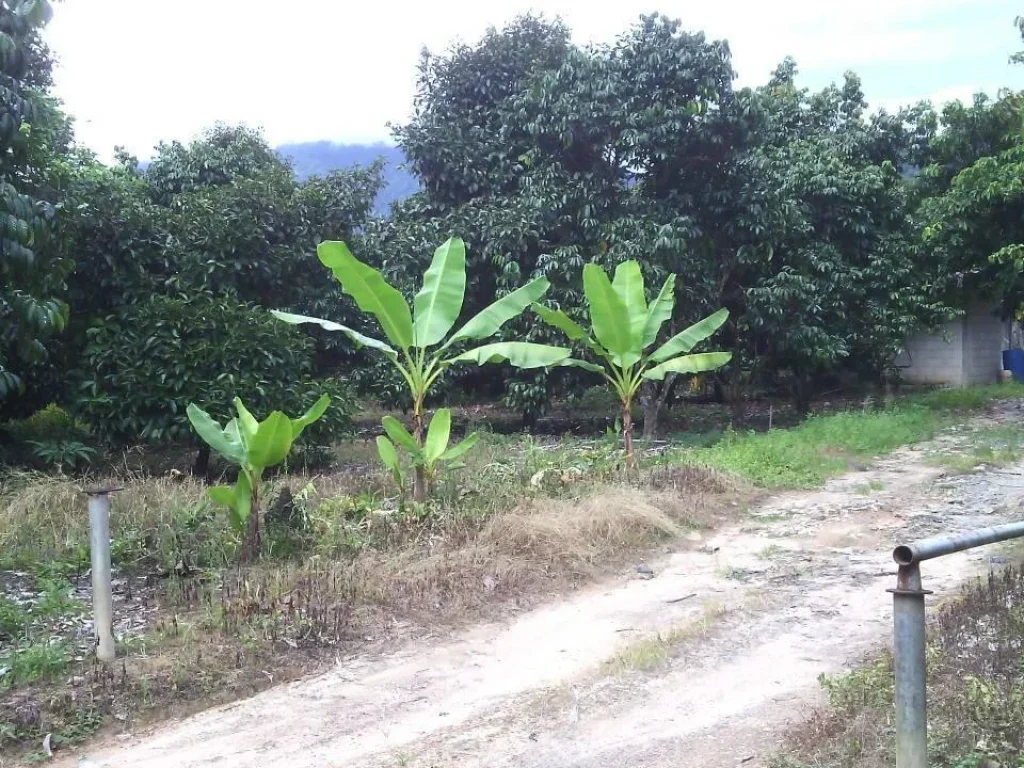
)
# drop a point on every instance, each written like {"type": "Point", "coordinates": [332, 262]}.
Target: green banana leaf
{"type": "Point", "coordinates": [556, 318]}
{"type": "Point", "coordinates": [242, 507]}
{"type": "Point", "coordinates": [313, 414]}
{"type": "Point", "coordinates": [660, 311]}
{"type": "Point", "coordinates": [489, 320]}
{"type": "Point", "coordinates": [439, 302]}
{"type": "Point", "coordinates": [686, 340]}
{"type": "Point", "coordinates": [701, 363]}
{"type": "Point", "coordinates": [521, 354]}
{"type": "Point", "coordinates": [371, 292]}
{"type": "Point", "coordinates": [329, 325]}
{"type": "Point", "coordinates": [222, 494]}
{"type": "Point", "coordinates": [388, 454]}
{"type": "Point", "coordinates": [629, 285]}
{"type": "Point", "coordinates": [397, 432]}
{"type": "Point", "coordinates": [460, 448]}
{"type": "Point", "coordinates": [271, 443]}
{"type": "Point", "coordinates": [247, 424]}
{"type": "Point", "coordinates": [574, 362]}
{"type": "Point", "coordinates": [438, 434]}
{"type": "Point", "coordinates": [220, 440]}
{"type": "Point", "coordinates": [609, 318]}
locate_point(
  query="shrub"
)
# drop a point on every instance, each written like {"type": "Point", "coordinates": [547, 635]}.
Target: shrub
{"type": "Point", "coordinates": [148, 363]}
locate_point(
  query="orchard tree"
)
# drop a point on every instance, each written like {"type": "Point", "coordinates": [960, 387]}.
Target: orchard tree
{"type": "Point", "coordinates": [32, 131]}
{"type": "Point", "coordinates": [145, 365]}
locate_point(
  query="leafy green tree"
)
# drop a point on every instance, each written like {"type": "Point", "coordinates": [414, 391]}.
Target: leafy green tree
{"type": "Point", "coordinates": [976, 230]}
{"type": "Point", "coordinates": [145, 365]}
{"type": "Point", "coordinates": [187, 250]}
{"type": "Point", "coordinates": [624, 328]}
{"type": "Point", "coordinates": [218, 157]}
{"type": "Point", "coordinates": [32, 268]}
{"type": "Point", "coordinates": [418, 342]}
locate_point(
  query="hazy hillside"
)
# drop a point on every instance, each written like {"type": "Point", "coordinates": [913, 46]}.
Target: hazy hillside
{"type": "Point", "coordinates": [319, 157]}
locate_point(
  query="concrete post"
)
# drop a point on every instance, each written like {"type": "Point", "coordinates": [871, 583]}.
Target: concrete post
{"type": "Point", "coordinates": [102, 594]}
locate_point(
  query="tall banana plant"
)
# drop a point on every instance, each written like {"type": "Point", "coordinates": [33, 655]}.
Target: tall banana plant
{"type": "Point", "coordinates": [623, 330]}
{"type": "Point", "coordinates": [418, 341]}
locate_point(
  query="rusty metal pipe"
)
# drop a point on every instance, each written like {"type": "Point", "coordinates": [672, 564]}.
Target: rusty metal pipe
{"type": "Point", "coordinates": [909, 634]}
{"type": "Point", "coordinates": [909, 667]}
{"type": "Point", "coordinates": [937, 546]}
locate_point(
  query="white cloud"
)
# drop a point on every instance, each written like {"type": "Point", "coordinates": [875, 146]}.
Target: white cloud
{"type": "Point", "coordinates": [136, 71]}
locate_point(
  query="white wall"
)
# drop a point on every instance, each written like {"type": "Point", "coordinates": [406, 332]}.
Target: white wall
{"type": "Point", "coordinates": [968, 351]}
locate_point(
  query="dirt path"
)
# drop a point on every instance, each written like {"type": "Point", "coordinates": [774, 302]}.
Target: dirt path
{"type": "Point", "coordinates": [700, 665]}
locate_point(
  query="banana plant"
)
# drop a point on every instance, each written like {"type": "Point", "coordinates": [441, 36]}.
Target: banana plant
{"type": "Point", "coordinates": [252, 445]}
{"type": "Point", "coordinates": [431, 455]}
{"type": "Point", "coordinates": [624, 328]}
{"type": "Point", "coordinates": [418, 341]}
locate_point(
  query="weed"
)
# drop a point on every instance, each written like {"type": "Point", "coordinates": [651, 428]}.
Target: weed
{"type": "Point", "coordinates": [35, 661]}
{"type": "Point", "coordinates": [771, 552]}
{"type": "Point", "coordinates": [651, 652]}
{"type": "Point", "coordinates": [14, 619]}
{"type": "Point", "coordinates": [872, 486]}
{"type": "Point", "coordinates": [995, 446]}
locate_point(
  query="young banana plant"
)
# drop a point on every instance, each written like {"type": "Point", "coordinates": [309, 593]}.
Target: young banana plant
{"type": "Point", "coordinates": [252, 445]}
{"type": "Point", "coordinates": [623, 328]}
{"type": "Point", "coordinates": [416, 339]}
{"type": "Point", "coordinates": [433, 453]}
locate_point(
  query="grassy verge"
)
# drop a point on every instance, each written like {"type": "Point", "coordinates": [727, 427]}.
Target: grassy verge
{"type": "Point", "coordinates": [345, 568]}
{"type": "Point", "coordinates": [975, 690]}
{"type": "Point", "coordinates": [827, 445]}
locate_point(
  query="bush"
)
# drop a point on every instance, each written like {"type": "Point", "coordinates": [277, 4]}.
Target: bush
{"type": "Point", "coordinates": [49, 437]}
{"type": "Point", "coordinates": [149, 362]}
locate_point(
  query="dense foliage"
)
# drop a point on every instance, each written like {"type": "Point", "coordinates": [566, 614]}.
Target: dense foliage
{"type": "Point", "coordinates": [32, 132]}
{"type": "Point", "coordinates": [829, 233]}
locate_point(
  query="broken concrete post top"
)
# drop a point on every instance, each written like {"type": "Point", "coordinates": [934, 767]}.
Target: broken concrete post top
{"type": "Point", "coordinates": [102, 490]}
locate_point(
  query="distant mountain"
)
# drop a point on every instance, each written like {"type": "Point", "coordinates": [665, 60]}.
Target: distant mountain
{"type": "Point", "coordinates": [320, 157]}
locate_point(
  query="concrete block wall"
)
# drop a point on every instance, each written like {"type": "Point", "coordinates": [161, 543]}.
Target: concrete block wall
{"type": "Point", "coordinates": [934, 358]}
{"type": "Point", "coordinates": [968, 351]}
{"type": "Point", "coordinates": [985, 338]}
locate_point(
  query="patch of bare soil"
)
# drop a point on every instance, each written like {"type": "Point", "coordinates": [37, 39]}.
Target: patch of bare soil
{"type": "Point", "coordinates": [795, 590]}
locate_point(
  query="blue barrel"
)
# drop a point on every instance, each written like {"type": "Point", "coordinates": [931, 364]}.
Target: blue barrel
{"type": "Point", "coordinates": [1013, 361]}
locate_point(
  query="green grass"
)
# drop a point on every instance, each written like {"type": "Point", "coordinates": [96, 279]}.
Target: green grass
{"type": "Point", "coordinates": [824, 446]}
{"type": "Point", "coordinates": [995, 446]}
{"type": "Point", "coordinates": [35, 661]}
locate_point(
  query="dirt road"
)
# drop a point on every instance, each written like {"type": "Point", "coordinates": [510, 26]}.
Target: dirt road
{"type": "Point", "coordinates": [700, 665]}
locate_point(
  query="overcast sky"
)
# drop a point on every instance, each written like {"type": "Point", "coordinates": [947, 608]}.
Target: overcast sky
{"type": "Point", "coordinates": [134, 72]}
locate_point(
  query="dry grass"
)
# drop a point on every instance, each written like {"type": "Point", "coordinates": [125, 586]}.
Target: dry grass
{"type": "Point", "coordinates": [975, 692]}
{"type": "Point", "coordinates": [359, 568]}
{"type": "Point", "coordinates": [653, 651]}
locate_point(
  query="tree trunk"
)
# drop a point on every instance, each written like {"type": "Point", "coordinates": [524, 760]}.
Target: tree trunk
{"type": "Point", "coordinates": [802, 394]}
{"type": "Point", "coordinates": [627, 434]}
{"type": "Point", "coordinates": [419, 486]}
{"type": "Point", "coordinates": [201, 467]}
{"type": "Point", "coordinates": [252, 543]}
{"type": "Point", "coordinates": [653, 397]}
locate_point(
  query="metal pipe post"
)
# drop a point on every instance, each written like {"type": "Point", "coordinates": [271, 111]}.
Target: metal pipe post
{"type": "Point", "coordinates": [909, 663]}
{"type": "Point", "coordinates": [937, 546]}
{"type": "Point", "coordinates": [102, 594]}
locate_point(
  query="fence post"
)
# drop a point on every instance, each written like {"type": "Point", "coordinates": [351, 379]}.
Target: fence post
{"type": "Point", "coordinates": [909, 666]}
{"type": "Point", "coordinates": [99, 549]}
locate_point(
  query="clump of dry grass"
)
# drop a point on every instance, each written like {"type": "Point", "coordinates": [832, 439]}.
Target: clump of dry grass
{"type": "Point", "coordinates": [652, 651]}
